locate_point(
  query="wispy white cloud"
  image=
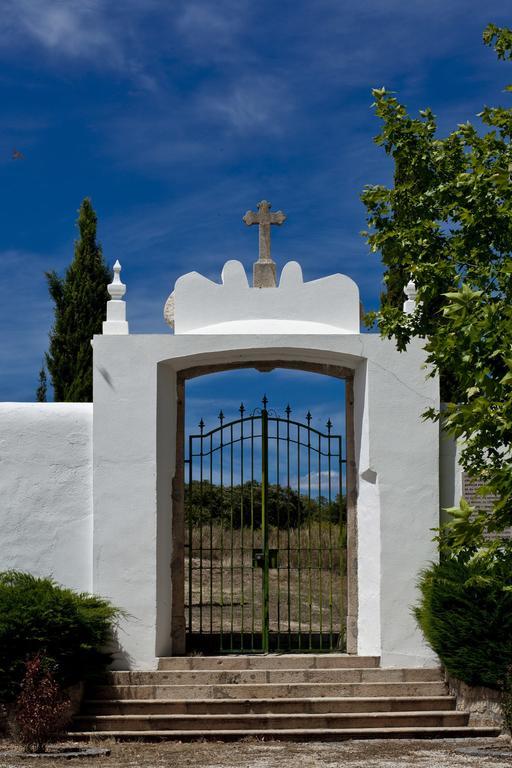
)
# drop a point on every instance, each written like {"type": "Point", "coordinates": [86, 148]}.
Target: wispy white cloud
{"type": "Point", "coordinates": [343, 43]}
{"type": "Point", "coordinates": [73, 28]}
{"type": "Point", "coordinates": [253, 104]}
{"type": "Point", "coordinates": [319, 480]}
{"type": "Point", "coordinates": [133, 38]}
{"type": "Point", "coordinates": [212, 28]}
{"type": "Point", "coordinates": [91, 33]}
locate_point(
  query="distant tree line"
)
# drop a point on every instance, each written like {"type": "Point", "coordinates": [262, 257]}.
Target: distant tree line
{"type": "Point", "coordinates": [240, 505]}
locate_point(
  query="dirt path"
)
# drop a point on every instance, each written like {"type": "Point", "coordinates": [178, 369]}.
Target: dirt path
{"type": "Point", "coordinates": [258, 754]}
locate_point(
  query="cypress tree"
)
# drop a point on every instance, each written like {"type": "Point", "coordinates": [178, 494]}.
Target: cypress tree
{"type": "Point", "coordinates": [42, 388]}
{"type": "Point", "coordinates": [80, 298]}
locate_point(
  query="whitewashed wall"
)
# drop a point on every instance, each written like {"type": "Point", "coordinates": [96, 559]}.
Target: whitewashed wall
{"type": "Point", "coordinates": [46, 490]}
{"type": "Point", "coordinates": [397, 457]}
{"type": "Point", "coordinates": [46, 481]}
{"type": "Point", "coordinates": [450, 474]}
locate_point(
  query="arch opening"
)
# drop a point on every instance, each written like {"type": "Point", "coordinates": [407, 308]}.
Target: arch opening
{"type": "Point", "coordinates": [263, 524]}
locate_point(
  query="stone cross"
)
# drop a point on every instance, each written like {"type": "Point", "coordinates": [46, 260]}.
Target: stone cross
{"type": "Point", "coordinates": [264, 270]}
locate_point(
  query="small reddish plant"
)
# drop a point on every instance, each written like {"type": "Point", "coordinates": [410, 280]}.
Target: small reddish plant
{"type": "Point", "coordinates": [42, 709]}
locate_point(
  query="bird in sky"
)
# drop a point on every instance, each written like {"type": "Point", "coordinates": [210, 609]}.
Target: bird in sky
{"type": "Point", "coordinates": [17, 155]}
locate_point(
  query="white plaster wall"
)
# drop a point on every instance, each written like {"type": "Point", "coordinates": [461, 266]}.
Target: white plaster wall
{"type": "Point", "coordinates": [404, 454]}
{"type": "Point", "coordinates": [368, 523]}
{"type": "Point", "coordinates": [127, 514]}
{"type": "Point", "coordinates": [396, 454]}
{"type": "Point", "coordinates": [450, 474]}
{"type": "Point", "coordinates": [46, 490]}
{"type": "Point", "coordinates": [327, 305]}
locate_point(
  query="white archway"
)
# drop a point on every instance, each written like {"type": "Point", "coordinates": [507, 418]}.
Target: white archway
{"type": "Point", "coordinates": [136, 422]}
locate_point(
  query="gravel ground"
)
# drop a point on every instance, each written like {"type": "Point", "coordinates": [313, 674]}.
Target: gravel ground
{"type": "Point", "coordinates": [260, 754]}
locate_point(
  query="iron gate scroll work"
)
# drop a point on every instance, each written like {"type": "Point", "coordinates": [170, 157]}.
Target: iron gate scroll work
{"type": "Point", "coordinates": [265, 552]}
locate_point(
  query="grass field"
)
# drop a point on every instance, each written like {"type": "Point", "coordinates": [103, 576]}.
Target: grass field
{"type": "Point", "coordinates": [307, 588]}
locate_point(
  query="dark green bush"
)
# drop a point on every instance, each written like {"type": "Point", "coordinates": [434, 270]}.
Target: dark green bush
{"type": "Point", "coordinates": [39, 616]}
{"type": "Point", "coordinates": [466, 616]}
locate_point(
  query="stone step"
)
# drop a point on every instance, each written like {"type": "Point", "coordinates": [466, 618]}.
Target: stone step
{"type": "Point", "coordinates": [273, 661]}
{"type": "Point", "coordinates": [295, 734]}
{"type": "Point", "coordinates": [267, 690]}
{"type": "Point", "coordinates": [262, 676]}
{"type": "Point", "coordinates": [250, 722]}
{"type": "Point", "coordinates": [266, 706]}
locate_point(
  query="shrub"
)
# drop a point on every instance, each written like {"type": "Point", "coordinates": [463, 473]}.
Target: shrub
{"type": "Point", "coordinates": [39, 616]}
{"type": "Point", "coordinates": [465, 613]}
{"type": "Point", "coordinates": [42, 710]}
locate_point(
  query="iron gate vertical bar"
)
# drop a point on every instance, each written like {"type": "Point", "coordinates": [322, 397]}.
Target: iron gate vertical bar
{"type": "Point", "coordinates": [310, 556]}
{"type": "Point", "coordinates": [190, 476]}
{"type": "Point", "coordinates": [231, 565]}
{"type": "Point", "coordinates": [288, 489]}
{"type": "Point", "coordinates": [299, 541]}
{"type": "Point", "coordinates": [342, 587]}
{"type": "Point", "coordinates": [278, 565]}
{"type": "Point", "coordinates": [211, 536]}
{"type": "Point", "coordinates": [252, 533]}
{"type": "Point", "coordinates": [242, 526]}
{"type": "Point", "coordinates": [331, 523]}
{"type": "Point", "coordinates": [222, 513]}
{"type": "Point", "coordinates": [264, 528]}
{"type": "Point", "coordinates": [320, 548]}
{"type": "Point", "coordinates": [201, 532]}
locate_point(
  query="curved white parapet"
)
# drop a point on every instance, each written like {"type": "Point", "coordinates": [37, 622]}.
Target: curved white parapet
{"type": "Point", "coordinates": [198, 305]}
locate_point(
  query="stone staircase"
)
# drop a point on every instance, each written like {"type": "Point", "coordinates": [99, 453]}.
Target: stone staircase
{"type": "Point", "coordinates": [295, 697]}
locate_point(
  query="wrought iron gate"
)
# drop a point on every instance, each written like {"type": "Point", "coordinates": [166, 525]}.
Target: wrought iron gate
{"type": "Point", "coordinates": [265, 552]}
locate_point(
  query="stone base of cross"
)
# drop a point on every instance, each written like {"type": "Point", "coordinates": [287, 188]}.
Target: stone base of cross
{"type": "Point", "coordinates": [264, 274]}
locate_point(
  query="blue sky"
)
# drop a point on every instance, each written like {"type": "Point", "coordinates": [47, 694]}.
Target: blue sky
{"type": "Point", "coordinates": [176, 116]}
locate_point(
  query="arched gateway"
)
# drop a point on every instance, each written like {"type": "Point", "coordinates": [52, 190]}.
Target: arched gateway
{"type": "Point", "coordinates": [265, 517]}
{"type": "Point", "coordinates": [151, 555]}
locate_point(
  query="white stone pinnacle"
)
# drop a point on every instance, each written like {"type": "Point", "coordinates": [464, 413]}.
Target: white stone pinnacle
{"type": "Point", "coordinates": [115, 324]}
{"type": "Point", "coordinates": [117, 289]}
{"type": "Point", "coordinates": [411, 293]}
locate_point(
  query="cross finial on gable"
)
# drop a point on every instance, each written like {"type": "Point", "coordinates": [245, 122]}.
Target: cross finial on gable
{"type": "Point", "coordinates": [264, 270]}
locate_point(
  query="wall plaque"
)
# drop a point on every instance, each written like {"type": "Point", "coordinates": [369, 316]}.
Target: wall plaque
{"type": "Point", "coordinates": [484, 503]}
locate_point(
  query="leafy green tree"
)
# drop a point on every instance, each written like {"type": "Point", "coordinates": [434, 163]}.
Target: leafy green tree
{"type": "Point", "coordinates": [80, 299]}
{"type": "Point", "coordinates": [42, 389]}
{"type": "Point", "coordinates": [447, 222]}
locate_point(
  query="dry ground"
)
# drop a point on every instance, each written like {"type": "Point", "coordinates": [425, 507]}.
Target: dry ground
{"type": "Point", "coordinates": [258, 754]}
{"type": "Point", "coordinates": [307, 591]}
